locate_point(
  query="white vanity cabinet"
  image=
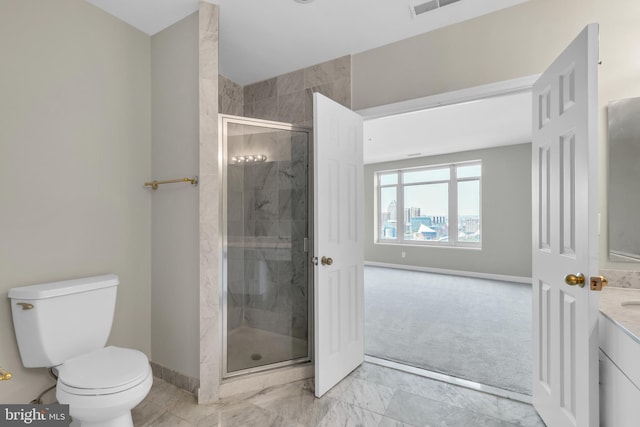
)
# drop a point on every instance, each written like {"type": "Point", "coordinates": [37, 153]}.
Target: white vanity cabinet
{"type": "Point", "coordinates": [619, 376]}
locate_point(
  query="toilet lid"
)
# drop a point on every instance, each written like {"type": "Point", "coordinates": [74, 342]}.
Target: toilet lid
{"type": "Point", "coordinates": [107, 368]}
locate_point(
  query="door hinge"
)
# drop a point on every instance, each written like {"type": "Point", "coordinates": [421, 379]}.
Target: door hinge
{"type": "Point", "coordinates": [596, 283]}
{"type": "Point", "coordinates": [305, 244]}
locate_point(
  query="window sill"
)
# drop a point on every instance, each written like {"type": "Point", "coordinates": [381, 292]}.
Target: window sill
{"type": "Point", "coordinates": [477, 247]}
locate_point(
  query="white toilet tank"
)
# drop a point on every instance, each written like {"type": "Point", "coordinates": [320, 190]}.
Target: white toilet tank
{"type": "Point", "coordinates": [59, 320]}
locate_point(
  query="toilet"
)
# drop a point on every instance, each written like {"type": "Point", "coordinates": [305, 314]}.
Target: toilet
{"type": "Point", "coordinates": [65, 325]}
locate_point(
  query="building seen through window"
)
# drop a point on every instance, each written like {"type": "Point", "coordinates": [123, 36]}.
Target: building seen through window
{"type": "Point", "coordinates": [434, 205]}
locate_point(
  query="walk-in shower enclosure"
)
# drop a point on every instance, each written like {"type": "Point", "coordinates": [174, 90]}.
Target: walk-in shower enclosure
{"type": "Point", "coordinates": [266, 203]}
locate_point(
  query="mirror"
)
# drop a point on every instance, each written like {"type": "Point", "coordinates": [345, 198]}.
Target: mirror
{"type": "Point", "coordinates": [624, 180]}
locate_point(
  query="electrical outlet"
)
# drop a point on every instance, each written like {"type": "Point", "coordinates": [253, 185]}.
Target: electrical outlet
{"type": "Point", "coordinates": [404, 254]}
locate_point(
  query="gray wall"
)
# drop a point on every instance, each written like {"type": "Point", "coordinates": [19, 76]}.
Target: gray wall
{"type": "Point", "coordinates": [75, 150]}
{"type": "Point", "coordinates": [506, 216]}
{"type": "Point", "coordinates": [174, 236]}
{"type": "Point", "coordinates": [514, 42]}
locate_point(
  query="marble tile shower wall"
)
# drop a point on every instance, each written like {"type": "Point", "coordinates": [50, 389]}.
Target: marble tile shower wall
{"type": "Point", "coordinates": [230, 97]}
{"type": "Point", "coordinates": [267, 211]}
{"type": "Point", "coordinates": [267, 286]}
{"type": "Point", "coordinates": [288, 98]}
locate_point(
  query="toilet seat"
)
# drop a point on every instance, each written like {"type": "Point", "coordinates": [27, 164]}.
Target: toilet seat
{"type": "Point", "coordinates": [108, 370]}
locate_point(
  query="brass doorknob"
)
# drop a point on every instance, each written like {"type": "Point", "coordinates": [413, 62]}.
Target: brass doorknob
{"type": "Point", "coordinates": [574, 279]}
{"type": "Point", "coordinates": [326, 260]}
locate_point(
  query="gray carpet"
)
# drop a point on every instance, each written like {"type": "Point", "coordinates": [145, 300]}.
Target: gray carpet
{"type": "Point", "coordinates": [475, 329]}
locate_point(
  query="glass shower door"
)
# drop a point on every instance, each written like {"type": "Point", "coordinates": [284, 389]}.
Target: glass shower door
{"type": "Point", "coordinates": [266, 275]}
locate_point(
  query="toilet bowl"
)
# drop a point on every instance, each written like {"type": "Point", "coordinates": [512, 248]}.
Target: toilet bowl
{"type": "Point", "coordinates": [103, 386]}
{"type": "Point", "coordinates": [65, 325]}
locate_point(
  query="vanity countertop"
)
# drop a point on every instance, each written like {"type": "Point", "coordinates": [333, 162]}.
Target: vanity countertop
{"type": "Point", "coordinates": [626, 316]}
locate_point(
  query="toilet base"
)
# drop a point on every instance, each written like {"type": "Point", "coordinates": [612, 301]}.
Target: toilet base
{"type": "Point", "coordinates": [121, 421]}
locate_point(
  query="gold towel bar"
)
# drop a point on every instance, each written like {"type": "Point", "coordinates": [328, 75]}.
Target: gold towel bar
{"type": "Point", "coordinates": [4, 375]}
{"type": "Point", "coordinates": [154, 184]}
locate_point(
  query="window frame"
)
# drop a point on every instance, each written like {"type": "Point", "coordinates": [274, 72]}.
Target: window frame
{"type": "Point", "coordinates": [453, 214]}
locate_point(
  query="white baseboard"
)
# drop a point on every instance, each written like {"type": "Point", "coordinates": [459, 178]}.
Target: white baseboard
{"type": "Point", "coordinates": [502, 277]}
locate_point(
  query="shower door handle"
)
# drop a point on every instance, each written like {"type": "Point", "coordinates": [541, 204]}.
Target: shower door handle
{"type": "Point", "coordinates": [326, 260]}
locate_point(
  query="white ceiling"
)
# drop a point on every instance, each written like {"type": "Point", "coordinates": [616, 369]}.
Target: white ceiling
{"type": "Point", "coordinates": [490, 122]}
{"type": "Point", "coordinates": [260, 39]}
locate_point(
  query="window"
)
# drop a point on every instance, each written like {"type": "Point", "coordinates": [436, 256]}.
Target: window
{"type": "Point", "coordinates": [435, 205]}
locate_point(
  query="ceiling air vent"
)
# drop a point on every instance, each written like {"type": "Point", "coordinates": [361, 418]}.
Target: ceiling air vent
{"type": "Point", "coordinates": [420, 8]}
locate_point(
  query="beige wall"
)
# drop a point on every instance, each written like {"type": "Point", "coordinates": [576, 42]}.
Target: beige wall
{"type": "Point", "coordinates": [519, 41]}
{"type": "Point", "coordinates": [174, 235]}
{"type": "Point", "coordinates": [514, 42]}
{"type": "Point", "coordinates": [506, 221]}
{"type": "Point", "coordinates": [75, 149]}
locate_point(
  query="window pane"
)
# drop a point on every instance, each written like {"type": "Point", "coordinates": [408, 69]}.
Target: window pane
{"type": "Point", "coordinates": [442, 174]}
{"type": "Point", "coordinates": [388, 219]}
{"type": "Point", "coordinates": [469, 211]}
{"type": "Point", "coordinates": [468, 171]}
{"type": "Point", "coordinates": [426, 212]}
{"type": "Point", "coordinates": [388, 178]}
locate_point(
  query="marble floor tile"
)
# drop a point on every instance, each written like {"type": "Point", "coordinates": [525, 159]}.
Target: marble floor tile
{"type": "Point", "coordinates": [161, 396]}
{"type": "Point", "coordinates": [303, 409]}
{"type": "Point", "coordinates": [167, 419]}
{"type": "Point", "coordinates": [344, 414]}
{"type": "Point", "coordinates": [463, 418]}
{"type": "Point", "coordinates": [186, 407]}
{"type": "Point", "coordinates": [390, 422]}
{"type": "Point", "coordinates": [245, 416]}
{"type": "Point", "coordinates": [364, 394]}
{"type": "Point", "coordinates": [417, 410]}
{"type": "Point", "coordinates": [146, 413]}
{"type": "Point", "coordinates": [372, 396]}
{"type": "Point", "coordinates": [262, 397]}
{"type": "Point", "coordinates": [459, 397]}
{"type": "Point", "coordinates": [475, 401]}
{"type": "Point", "coordinates": [519, 413]}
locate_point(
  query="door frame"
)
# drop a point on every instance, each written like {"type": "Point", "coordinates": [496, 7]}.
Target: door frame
{"type": "Point", "coordinates": [476, 93]}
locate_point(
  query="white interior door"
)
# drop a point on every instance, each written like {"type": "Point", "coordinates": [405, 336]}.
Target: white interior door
{"type": "Point", "coordinates": [565, 236]}
{"type": "Point", "coordinates": [338, 244]}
